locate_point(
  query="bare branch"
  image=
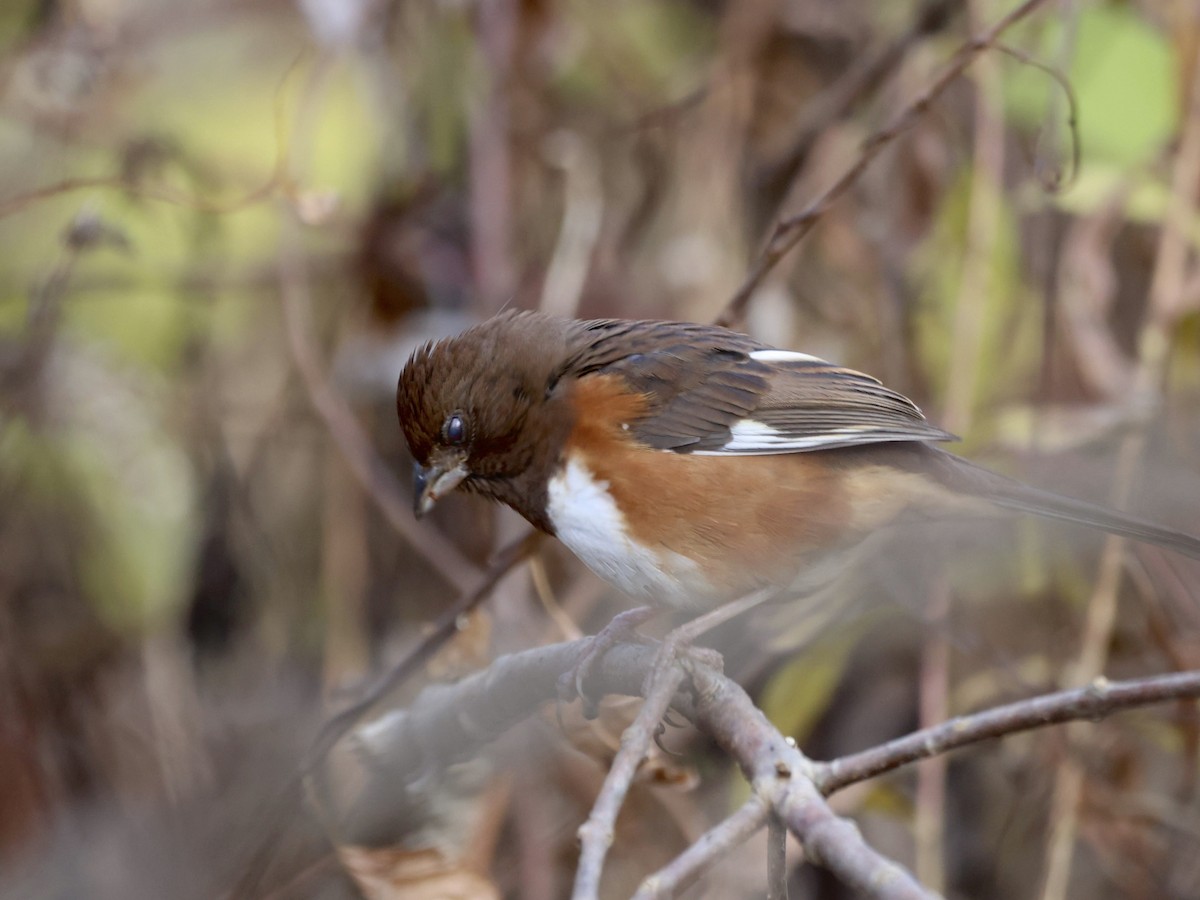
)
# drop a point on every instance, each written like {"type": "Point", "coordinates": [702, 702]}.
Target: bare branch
{"type": "Point", "coordinates": [670, 667]}
{"type": "Point", "coordinates": [289, 800]}
{"type": "Point", "coordinates": [783, 775]}
{"type": "Point", "coordinates": [596, 834]}
{"type": "Point", "coordinates": [449, 723]}
{"type": "Point", "coordinates": [374, 477]}
{"type": "Point", "coordinates": [1166, 297]}
{"type": "Point", "coordinates": [790, 231]}
{"type": "Point", "coordinates": [863, 76]}
{"type": "Point", "coordinates": [776, 860]}
{"type": "Point", "coordinates": [706, 851]}
{"type": "Point", "coordinates": [442, 630]}
{"type": "Point", "coordinates": [1099, 699]}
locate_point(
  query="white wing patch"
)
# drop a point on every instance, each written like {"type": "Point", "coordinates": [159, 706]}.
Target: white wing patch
{"type": "Point", "coordinates": [749, 437]}
{"type": "Point", "coordinates": [776, 356]}
{"type": "Point", "coordinates": [749, 434]}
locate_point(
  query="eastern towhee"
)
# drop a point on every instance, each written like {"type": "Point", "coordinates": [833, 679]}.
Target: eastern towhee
{"type": "Point", "coordinates": [689, 465]}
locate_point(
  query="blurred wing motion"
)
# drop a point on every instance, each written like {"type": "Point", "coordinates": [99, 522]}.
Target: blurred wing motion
{"type": "Point", "coordinates": [961, 475]}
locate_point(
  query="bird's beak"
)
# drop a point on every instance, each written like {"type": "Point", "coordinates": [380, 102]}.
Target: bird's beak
{"type": "Point", "coordinates": [433, 482]}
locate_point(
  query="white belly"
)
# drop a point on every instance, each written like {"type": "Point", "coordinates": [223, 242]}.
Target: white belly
{"type": "Point", "coordinates": [586, 519]}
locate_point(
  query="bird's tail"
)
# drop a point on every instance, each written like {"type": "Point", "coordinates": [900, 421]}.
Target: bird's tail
{"type": "Point", "coordinates": [957, 473]}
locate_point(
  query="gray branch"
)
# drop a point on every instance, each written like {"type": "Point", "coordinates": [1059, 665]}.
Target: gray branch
{"type": "Point", "coordinates": [448, 724]}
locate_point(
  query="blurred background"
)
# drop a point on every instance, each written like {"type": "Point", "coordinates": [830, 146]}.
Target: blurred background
{"type": "Point", "coordinates": [226, 223]}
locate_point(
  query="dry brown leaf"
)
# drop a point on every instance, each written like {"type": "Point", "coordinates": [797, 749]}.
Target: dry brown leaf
{"type": "Point", "coordinates": [389, 873]}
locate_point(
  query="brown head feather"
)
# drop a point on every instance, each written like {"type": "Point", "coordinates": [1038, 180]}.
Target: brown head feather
{"type": "Point", "coordinates": [499, 377]}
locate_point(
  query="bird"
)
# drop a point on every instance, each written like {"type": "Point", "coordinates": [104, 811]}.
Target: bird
{"type": "Point", "coordinates": [689, 465]}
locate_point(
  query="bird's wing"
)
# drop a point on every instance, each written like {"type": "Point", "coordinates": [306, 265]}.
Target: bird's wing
{"type": "Point", "coordinates": [714, 391]}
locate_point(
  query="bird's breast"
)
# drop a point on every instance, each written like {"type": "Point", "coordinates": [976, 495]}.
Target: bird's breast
{"type": "Point", "coordinates": [587, 518]}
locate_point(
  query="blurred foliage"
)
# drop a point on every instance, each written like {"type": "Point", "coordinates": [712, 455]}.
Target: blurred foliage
{"type": "Point", "coordinates": [1011, 326]}
{"type": "Point", "coordinates": [1124, 78]}
{"type": "Point", "coordinates": [190, 575]}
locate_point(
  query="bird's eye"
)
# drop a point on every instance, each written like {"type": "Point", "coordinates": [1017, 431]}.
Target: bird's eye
{"type": "Point", "coordinates": [455, 431]}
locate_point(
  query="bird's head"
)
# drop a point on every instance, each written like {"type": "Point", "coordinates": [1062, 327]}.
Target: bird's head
{"type": "Point", "coordinates": [480, 411]}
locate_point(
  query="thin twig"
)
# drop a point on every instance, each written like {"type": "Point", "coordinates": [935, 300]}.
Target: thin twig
{"type": "Point", "coordinates": [1051, 177]}
{"type": "Point", "coordinates": [791, 230]}
{"type": "Point", "coordinates": [1167, 290]}
{"type": "Point", "coordinates": [709, 848]}
{"type": "Point", "coordinates": [442, 630]}
{"type": "Point", "coordinates": [784, 776]}
{"type": "Point", "coordinates": [23, 375]}
{"type": "Point", "coordinates": [596, 834]}
{"type": "Point", "coordinates": [194, 202]}
{"type": "Point", "coordinates": [1086, 285]}
{"type": "Point", "coordinates": [289, 801]}
{"type": "Point", "coordinates": [451, 722]}
{"type": "Point", "coordinates": [278, 181]}
{"type": "Point", "coordinates": [966, 359]}
{"type": "Point", "coordinates": [368, 469]}
{"type": "Point", "coordinates": [489, 158]}
{"type": "Point", "coordinates": [929, 815]}
{"type": "Point", "coordinates": [865, 73]}
{"type": "Point", "coordinates": [1099, 699]}
{"type": "Point", "coordinates": [777, 871]}
{"type": "Point", "coordinates": [582, 217]}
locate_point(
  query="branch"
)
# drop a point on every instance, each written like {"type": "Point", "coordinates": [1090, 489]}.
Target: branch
{"type": "Point", "coordinates": [790, 231]}
{"type": "Point", "coordinates": [1099, 699]}
{"type": "Point", "coordinates": [863, 76]}
{"type": "Point", "coordinates": [783, 776]}
{"type": "Point", "coordinates": [443, 629]}
{"type": "Point", "coordinates": [709, 848]}
{"type": "Point", "coordinates": [676, 656]}
{"type": "Point", "coordinates": [449, 723]}
{"type": "Point", "coordinates": [277, 182]}
{"type": "Point", "coordinates": [777, 872]}
{"type": "Point", "coordinates": [372, 475]}
{"type": "Point", "coordinates": [289, 800]}
{"type": "Point", "coordinates": [596, 834]}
